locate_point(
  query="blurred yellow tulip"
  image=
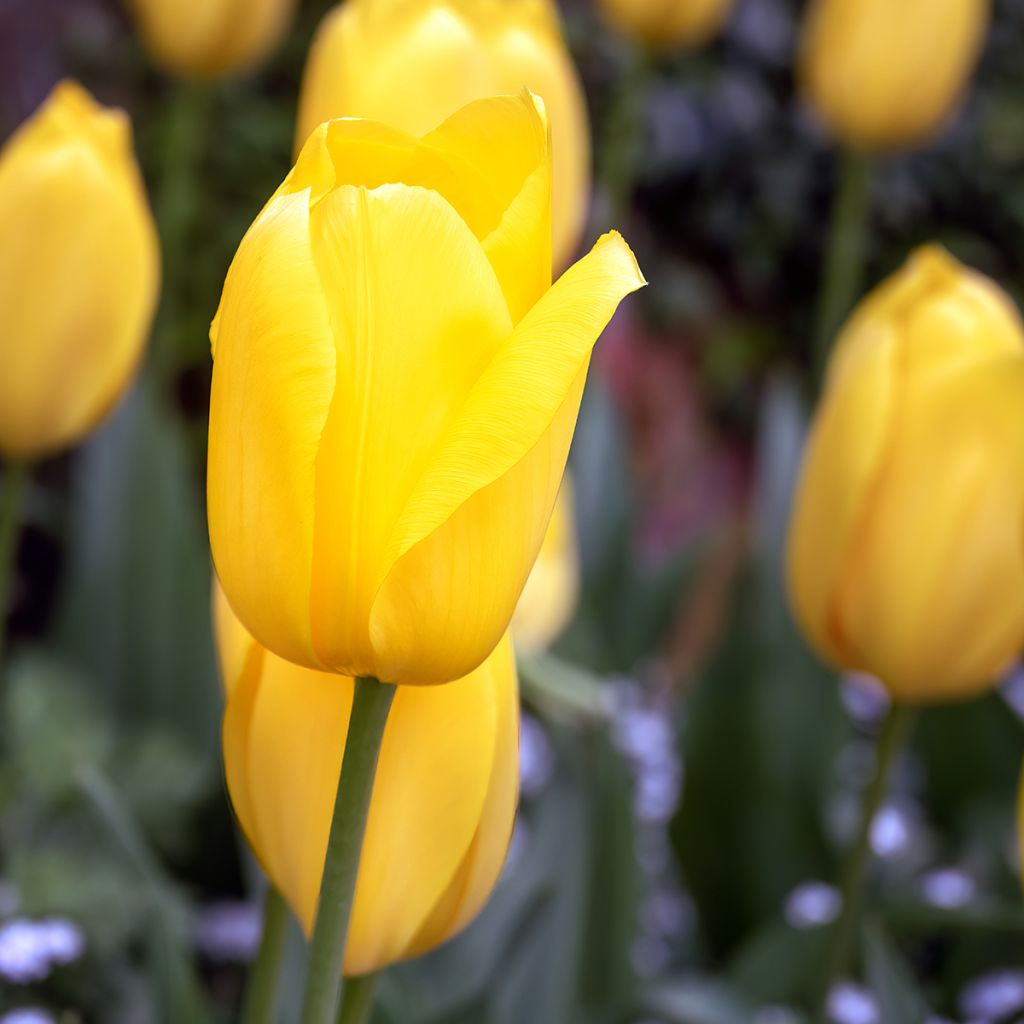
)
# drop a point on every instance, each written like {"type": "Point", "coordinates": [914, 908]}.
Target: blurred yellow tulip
{"type": "Point", "coordinates": [412, 63]}
{"type": "Point", "coordinates": [549, 598]}
{"type": "Point", "coordinates": [906, 550]}
{"type": "Point", "coordinates": [210, 38]}
{"type": "Point", "coordinates": [395, 387]}
{"type": "Point", "coordinates": [884, 74]}
{"type": "Point", "coordinates": [665, 24]}
{"type": "Point", "coordinates": [79, 272]}
{"type": "Point", "coordinates": [429, 862]}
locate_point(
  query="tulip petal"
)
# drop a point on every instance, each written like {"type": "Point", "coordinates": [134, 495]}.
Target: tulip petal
{"type": "Point", "coordinates": [479, 871]}
{"type": "Point", "coordinates": [417, 314]}
{"type": "Point", "coordinates": [273, 379]}
{"type": "Point", "coordinates": [284, 739]}
{"type": "Point", "coordinates": [469, 533]}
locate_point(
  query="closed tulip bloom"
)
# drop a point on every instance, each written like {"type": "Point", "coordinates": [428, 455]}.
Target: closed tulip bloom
{"type": "Point", "coordinates": [906, 548]}
{"type": "Point", "coordinates": [429, 860]}
{"type": "Point", "coordinates": [665, 24]}
{"type": "Point", "coordinates": [549, 599]}
{"type": "Point", "coordinates": [413, 63]}
{"type": "Point", "coordinates": [210, 38]}
{"type": "Point", "coordinates": [885, 75]}
{"type": "Point", "coordinates": [79, 272]}
{"type": "Point", "coordinates": [395, 387]}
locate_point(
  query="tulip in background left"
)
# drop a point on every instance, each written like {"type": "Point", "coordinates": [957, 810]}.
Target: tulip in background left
{"type": "Point", "coordinates": [79, 272]}
{"type": "Point", "coordinates": [211, 38]}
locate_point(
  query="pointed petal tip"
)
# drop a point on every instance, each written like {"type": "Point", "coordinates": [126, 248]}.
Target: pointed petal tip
{"type": "Point", "coordinates": [622, 252]}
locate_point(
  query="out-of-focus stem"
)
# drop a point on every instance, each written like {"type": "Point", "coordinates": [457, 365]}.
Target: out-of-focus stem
{"type": "Point", "coordinates": [844, 259]}
{"type": "Point", "coordinates": [264, 985]}
{"type": "Point", "coordinates": [12, 494]}
{"type": "Point", "coordinates": [890, 743]}
{"type": "Point", "coordinates": [357, 999]}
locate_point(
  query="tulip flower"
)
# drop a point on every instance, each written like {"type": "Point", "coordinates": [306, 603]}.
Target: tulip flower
{"type": "Point", "coordinates": [549, 598]}
{"type": "Point", "coordinates": [666, 24]}
{"type": "Point", "coordinates": [429, 859]}
{"type": "Point", "coordinates": [395, 387]}
{"type": "Point", "coordinates": [413, 64]}
{"type": "Point", "coordinates": [79, 272]}
{"type": "Point", "coordinates": [210, 38]}
{"type": "Point", "coordinates": [905, 549]}
{"type": "Point", "coordinates": [883, 75]}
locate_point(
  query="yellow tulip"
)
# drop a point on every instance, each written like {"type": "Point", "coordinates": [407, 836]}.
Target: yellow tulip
{"type": "Point", "coordinates": [549, 598]}
{"type": "Point", "coordinates": [884, 74]}
{"type": "Point", "coordinates": [210, 38]}
{"type": "Point", "coordinates": [665, 24]}
{"type": "Point", "coordinates": [395, 387]}
{"type": "Point", "coordinates": [429, 862]}
{"type": "Point", "coordinates": [906, 552]}
{"type": "Point", "coordinates": [79, 272]}
{"type": "Point", "coordinates": [412, 63]}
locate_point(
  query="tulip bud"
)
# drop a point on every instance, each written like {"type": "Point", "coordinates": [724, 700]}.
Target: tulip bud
{"type": "Point", "coordinates": [79, 272]}
{"type": "Point", "coordinates": [395, 387]}
{"type": "Point", "coordinates": [549, 598]}
{"type": "Point", "coordinates": [412, 64]}
{"type": "Point", "coordinates": [210, 38]}
{"type": "Point", "coordinates": [666, 24]}
{"type": "Point", "coordinates": [906, 545]}
{"type": "Point", "coordinates": [883, 75]}
{"type": "Point", "coordinates": [443, 802]}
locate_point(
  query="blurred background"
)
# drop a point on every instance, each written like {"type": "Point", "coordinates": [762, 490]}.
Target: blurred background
{"type": "Point", "coordinates": [690, 772]}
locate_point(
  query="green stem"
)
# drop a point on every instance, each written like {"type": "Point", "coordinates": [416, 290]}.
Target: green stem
{"type": "Point", "coordinates": [11, 499]}
{"type": "Point", "coordinates": [357, 999]}
{"type": "Point", "coordinates": [370, 705]}
{"type": "Point", "coordinates": [890, 743]}
{"type": "Point", "coordinates": [264, 986]}
{"type": "Point", "coordinates": [623, 136]}
{"type": "Point", "coordinates": [844, 260]}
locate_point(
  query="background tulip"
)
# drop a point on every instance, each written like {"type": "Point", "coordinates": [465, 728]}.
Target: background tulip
{"type": "Point", "coordinates": [207, 38]}
{"type": "Point", "coordinates": [79, 271]}
{"type": "Point", "coordinates": [395, 388]}
{"type": "Point", "coordinates": [549, 598]}
{"type": "Point", "coordinates": [883, 74]}
{"type": "Point", "coordinates": [412, 64]}
{"type": "Point", "coordinates": [429, 861]}
{"type": "Point", "coordinates": [667, 23]}
{"type": "Point", "coordinates": [905, 548]}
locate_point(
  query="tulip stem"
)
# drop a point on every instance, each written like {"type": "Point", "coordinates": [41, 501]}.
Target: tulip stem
{"type": "Point", "coordinates": [357, 999]}
{"type": "Point", "coordinates": [844, 260]}
{"type": "Point", "coordinates": [11, 499]}
{"type": "Point", "coordinates": [890, 742]}
{"type": "Point", "coordinates": [370, 705]}
{"type": "Point", "coordinates": [264, 985]}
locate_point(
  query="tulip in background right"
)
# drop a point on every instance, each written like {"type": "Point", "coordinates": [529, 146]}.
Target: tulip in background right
{"type": "Point", "coordinates": [666, 24]}
{"type": "Point", "coordinates": [885, 74]}
{"type": "Point", "coordinates": [906, 548]}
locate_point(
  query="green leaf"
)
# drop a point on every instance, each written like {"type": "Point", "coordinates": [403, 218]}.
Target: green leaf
{"type": "Point", "coordinates": [891, 982]}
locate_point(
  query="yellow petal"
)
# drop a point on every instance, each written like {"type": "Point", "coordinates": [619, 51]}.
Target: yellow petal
{"type": "Point", "coordinates": [273, 379]}
{"type": "Point", "coordinates": [416, 314]}
{"type": "Point", "coordinates": [934, 602]}
{"type": "Point", "coordinates": [470, 532]}
{"type": "Point", "coordinates": [549, 598]}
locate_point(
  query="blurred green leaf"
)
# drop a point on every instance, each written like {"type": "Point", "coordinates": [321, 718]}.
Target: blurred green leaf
{"type": "Point", "coordinates": [696, 1001]}
{"type": "Point", "coordinates": [136, 612]}
{"type": "Point", "coordinates": [890, 981]}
